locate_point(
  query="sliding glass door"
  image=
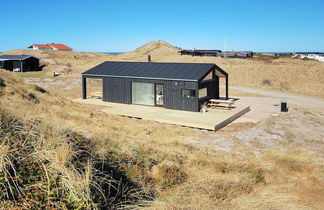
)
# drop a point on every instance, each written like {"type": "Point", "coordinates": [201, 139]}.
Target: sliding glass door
{"type": "Point", "coordinates": [143, 93]}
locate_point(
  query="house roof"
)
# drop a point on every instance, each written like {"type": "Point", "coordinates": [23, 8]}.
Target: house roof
{"type": "Point", "coordinates": [236, 53]}
{"type": "Point", "coordinates": [40, 46]}
{"type": "Point", "coordinates": [153, 70]}
{"type": "Point", "coordinates": [60, 46]}
{"type": "Point", "coordinates": [15, 57]}
{"type": "Point", "coordinates": [201, 51]}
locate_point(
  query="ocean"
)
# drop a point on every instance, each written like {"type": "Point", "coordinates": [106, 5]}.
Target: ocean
{"type": "Point", "coordinates": [112, 53]}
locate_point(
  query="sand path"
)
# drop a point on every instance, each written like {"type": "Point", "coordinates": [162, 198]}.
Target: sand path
{"type": "Point", "coordinates": [296, 99]}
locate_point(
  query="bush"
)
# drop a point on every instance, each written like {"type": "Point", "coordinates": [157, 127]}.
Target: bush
{"type": "Point", "coordinates": [168, 174]}
{"type": "Point", "coordinates": [266, 82]}
{"type": "Point", "coordinates": [284, 86]}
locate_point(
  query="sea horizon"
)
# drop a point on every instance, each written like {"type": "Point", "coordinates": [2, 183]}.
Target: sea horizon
{"type": "Point", "coordinates": [111, 53]}
{"type": "Point", "coordinates": [272, 52]}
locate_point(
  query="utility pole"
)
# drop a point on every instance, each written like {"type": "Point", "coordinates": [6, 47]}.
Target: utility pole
{"type": "Point", "coordinates": [225, 48]}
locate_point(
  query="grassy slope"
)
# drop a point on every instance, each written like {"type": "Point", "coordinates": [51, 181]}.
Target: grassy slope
{"type": "Point", "coordinates": [304, 77]}
{"type": "Point", "coordinates": [52, 150]}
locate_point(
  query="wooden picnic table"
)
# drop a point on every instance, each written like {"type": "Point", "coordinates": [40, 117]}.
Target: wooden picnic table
{"type": "Point", "coordinates": [221, 103]}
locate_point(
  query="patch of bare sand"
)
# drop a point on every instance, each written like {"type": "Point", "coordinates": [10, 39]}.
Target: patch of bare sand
{"type": "Point", "coordinates": [300, 127]}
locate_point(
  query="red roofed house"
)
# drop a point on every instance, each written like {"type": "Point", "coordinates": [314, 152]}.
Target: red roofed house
{"type": "Point", "coordinates": [51, 46]}
{"type": "Point", "coordinates": [40, 47]}
{"type": "Point", "coordinates": [60, 47]}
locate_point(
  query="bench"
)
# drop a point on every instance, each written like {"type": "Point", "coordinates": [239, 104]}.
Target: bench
{"type": "Point", "coordinates": [221, 103]}
{"type": "Point", "coordinates": [97, 95]}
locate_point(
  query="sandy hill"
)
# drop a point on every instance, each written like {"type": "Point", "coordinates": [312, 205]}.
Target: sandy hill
{"type": "Point", "coordinates": [157, 49]}
{"type": "Point", "coordinates": [302, 77]}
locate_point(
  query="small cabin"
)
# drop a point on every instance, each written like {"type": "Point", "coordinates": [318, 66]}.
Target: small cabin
{"type": "Point", "coordinates": [237, 54]}
{"type": "Point", "coordinates": [19, 63]}
{"type": "Point", "coordinates": [180, 86]}
{"type": "Point", "coordinates": [195, 52]}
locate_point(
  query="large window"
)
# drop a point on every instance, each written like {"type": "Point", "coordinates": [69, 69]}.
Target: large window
{"type": "Point", "coordinates": [188, 93]}
{"type": "Point", "coordinates": [202, 92]}
{"type": "Point", "coordinates": [143, 93]}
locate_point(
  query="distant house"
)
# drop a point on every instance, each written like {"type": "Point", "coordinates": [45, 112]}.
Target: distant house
{"type": "Point", "coordinates": [217, 53]}
{"type": "Point", "coordinates": [195, 52]}
{"type": "Point", "coordinates": [237, 54]}
{"type": "Point", "coordinates": [51, 46]}
{"type": "Point", "coordinates": [310, 55]}
{"type": "Point", "coordinates": [19, 63]}
{"type": "Point", "coordinates": [60, 47]}
{"type": "Point", "coordinates": [40, 47]}
{"type": "Point", "coordinates": [282, 54]}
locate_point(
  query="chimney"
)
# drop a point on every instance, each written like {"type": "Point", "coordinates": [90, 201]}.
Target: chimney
{"type": "Point", "coordinates": [149, 58]}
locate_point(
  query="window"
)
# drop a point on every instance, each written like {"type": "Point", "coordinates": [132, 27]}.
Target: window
{"type": "Point", "coordinates": [202, 92]}
{"type": "Point", "coordinates": [187, 93]}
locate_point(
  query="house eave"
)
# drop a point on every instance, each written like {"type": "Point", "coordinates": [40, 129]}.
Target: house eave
{"type": "Point", "coordinates": [134, 77]}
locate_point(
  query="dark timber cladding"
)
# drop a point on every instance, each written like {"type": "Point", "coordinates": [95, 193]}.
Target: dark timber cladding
{"type": "Point", "coordinates": [195, 52]}
{"type": "Point", "coordinates": [171, 85]}
{"type": "Point", "coordinates": [19, 63]}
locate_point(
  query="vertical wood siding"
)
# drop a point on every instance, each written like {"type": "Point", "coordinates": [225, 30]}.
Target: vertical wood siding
{"type": "Point", "coordinates": [119, 90]}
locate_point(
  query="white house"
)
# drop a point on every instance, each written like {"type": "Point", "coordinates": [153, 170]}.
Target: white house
{"type": "Point", "coordinates": [60, 47]}
{"type": "Point", "coordinates": [310, 55]}
{"type": "Point", "coordinates": [318, 57]}
{"type": "Point", "coordinates": [51, 46]}
{"type": "Point", "coordinates": [40, 47]}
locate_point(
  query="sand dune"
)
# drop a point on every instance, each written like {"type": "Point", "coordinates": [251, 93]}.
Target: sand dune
{"type": "Point", "coordinates": [302, 77]}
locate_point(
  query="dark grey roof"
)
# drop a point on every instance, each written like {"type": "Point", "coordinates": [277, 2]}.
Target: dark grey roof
{"type": "Point", "coordinates": [202, 51]}
{"type": "Point", "coordinates": [152, 70]}
{"type": "Point", "coordinates": [15, 57]}
{"type": "Point", "coordinates": [246, 52]}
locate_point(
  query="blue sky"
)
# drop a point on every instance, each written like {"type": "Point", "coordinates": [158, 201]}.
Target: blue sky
{"type": "Point", "coordinates": [122, 25]}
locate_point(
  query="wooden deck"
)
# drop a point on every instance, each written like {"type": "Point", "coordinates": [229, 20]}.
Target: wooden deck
{"type": "Point", "coordinates": [214, 119]}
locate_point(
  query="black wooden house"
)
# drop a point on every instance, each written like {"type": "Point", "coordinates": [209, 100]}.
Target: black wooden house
{"type": "Point", "coordinates": [181, 86]}
{"type": "Point", "coordinates": [194, 52]}
{"type": "Point", "coordinates": [19, 63]}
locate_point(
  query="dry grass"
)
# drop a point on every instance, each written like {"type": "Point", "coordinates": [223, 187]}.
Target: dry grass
{"type": "Point", "coordinates": [303, 77]}
{"type": "Point", "coordinates": [237, 93]}
{"type": "Point", "coordinates": [58, 154]}
{"type": "Point", "coordinates": [275, 180]}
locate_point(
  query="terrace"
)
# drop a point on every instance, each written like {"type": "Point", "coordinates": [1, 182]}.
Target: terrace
{"type": "Point", "coordinates": [213, 120]}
